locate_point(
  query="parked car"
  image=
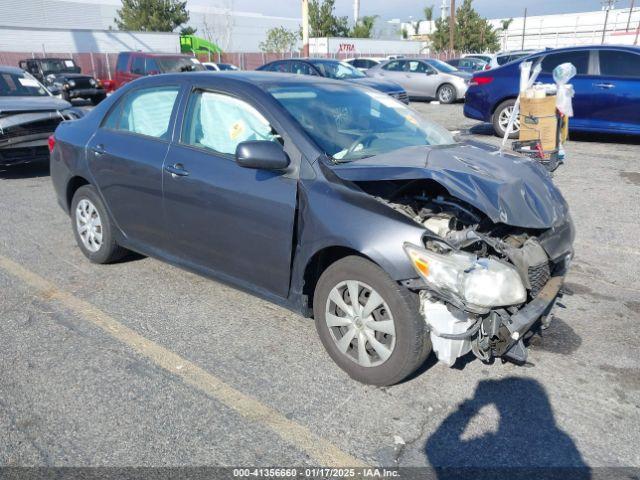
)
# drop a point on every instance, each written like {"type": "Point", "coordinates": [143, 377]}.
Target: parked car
{"type": "Point", "coordinates": [607, 89]}
{"type": "Point", "coordinates": [132, 65]}
{"type": "Point", "coordinates": [218, 67]}
{"type": "Point", "coordinates": [502, 58]}
{"type": "Point", "coordinates": [326, 197]}
{"type": "Point", "coordinates": [337, 70]}
{"type": "Point", "coordinates": [63, 77]}
{"type": "Point", "coordinates": [467, 64]}
{"type": "Point", "coordinates": [365, 63]}
{"type": "Point", "coordinates": [485, 57]}
{"type": "Point", "coordinates": [424, 78]}
{"type": "Point", "coordinates": [29, 114]}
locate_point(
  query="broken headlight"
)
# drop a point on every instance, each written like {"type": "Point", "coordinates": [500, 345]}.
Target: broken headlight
{"type": "Point", "coordinates": [478, 282]}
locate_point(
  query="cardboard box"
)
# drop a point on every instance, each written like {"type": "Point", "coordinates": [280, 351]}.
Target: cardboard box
{"type": "Point", "coordinates": [538, 121]}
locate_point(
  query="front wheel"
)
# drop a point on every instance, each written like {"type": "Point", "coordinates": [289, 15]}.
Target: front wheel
{"type": "Point", "coordinates": [446, 93]}
{"type": "Point", "coordinates": [501, 118]}
{"type": "Point", "coordinates": [370, 326]}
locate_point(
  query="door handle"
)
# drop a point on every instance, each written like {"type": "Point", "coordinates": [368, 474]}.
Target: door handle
{"type": "Point", "coordinates": [176, 170]}
{"type": "Point", "coordinates": [99, 150]}
{"type": "Point", "coordinates": [605, 85]}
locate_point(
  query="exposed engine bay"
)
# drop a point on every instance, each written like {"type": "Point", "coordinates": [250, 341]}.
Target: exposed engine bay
{"type": "Point", "coordinates": [460, 233]}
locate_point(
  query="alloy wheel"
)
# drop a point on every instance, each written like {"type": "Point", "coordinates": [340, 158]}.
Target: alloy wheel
{"type": "Point", "coordinates": [360, 323]}
{"type": "Point", "coordinates": [503, 120]}
{"type": "Point", "coordinates": [446, 94]}
{"type": "Point", "coordinates": [89, 225]}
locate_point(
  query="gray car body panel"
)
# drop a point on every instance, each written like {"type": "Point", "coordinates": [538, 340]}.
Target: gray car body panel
{"type": "Point", "coordinates": [324, 210]}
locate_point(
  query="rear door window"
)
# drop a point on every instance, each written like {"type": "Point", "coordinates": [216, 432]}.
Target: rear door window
{"type": "Point", "coordinates": [144, 112]}
{"type": "Point", "coordinates": [580, 60]}
{"type": "Point", "coordinates": [137, 66]}
{"type": "Point", "coordinates": [616, 63]}
{"type": "Point", "coordinates": [123, 61]}
{"type": "Point", "coordinates": [395, 66]}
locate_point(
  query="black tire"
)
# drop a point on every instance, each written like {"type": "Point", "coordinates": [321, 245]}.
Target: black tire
{"type": "Point", "coordinates": [495, 119]}
{"type": "Point", "coordinates": [95, 100]}
{"type": "Point", "coordinates": [108, 251]}
{"type": "Point", "coordinates": [412, 344]}
{"type": "Point", "coordinates": [442, 90]}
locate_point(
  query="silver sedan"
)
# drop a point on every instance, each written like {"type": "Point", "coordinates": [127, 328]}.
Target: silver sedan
{"type": "Point", "coordinates": [425, 78]}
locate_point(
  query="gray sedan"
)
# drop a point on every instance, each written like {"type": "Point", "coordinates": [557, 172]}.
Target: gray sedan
{"type": "Point", "coordinates": [425, 78]}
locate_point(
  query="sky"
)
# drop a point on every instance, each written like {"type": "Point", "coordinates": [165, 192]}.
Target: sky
{"type": "Point", "coordinates": [402, 9]}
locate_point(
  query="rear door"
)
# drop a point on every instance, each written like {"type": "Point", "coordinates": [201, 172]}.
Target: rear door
{"type": "Point", "coordinates": [394, 70]}
{"type": "Point", "coordinates": [233, 220]}
{"type": "Point", "coordinates": [616, 90]}
{"type": "Point", "coordinates": [126, 155]}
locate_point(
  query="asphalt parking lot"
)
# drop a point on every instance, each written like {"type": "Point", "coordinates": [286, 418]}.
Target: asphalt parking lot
{"type": "Point", "coordinates": [142, 364]}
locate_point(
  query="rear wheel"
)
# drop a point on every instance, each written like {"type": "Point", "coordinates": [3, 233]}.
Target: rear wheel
{"type": "Point", "coordinates": [92, 227]}
{"type": "Point", "coordinates": [501, 118]}
{"type": "Point", "coordinates": [370, 326]}
{"type": "Point", "coordinates": [446, 93]}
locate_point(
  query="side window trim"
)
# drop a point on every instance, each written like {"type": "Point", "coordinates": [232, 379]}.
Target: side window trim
{"type": "Point", "coordinates": [121, 101]}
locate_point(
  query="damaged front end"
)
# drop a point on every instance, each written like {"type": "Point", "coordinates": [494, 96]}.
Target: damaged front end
{"type": "Point", "coordinates": [23, 135]}
{"type": "Point", "coordinates": [482, 285]}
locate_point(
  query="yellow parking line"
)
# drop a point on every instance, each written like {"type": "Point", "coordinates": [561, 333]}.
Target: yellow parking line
{"type": "Point", "coordinates": [320, 450]}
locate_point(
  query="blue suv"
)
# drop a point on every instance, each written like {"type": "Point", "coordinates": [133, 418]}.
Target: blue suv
{"type": "Point", "coordinates": [607, 89]}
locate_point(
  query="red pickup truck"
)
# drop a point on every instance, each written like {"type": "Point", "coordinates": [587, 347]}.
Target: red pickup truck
{"type": "Point", "coordinates": [131, 65]}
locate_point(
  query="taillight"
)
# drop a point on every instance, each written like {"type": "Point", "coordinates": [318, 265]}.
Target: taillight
{"type": "Point", "coordinates": [52, 143]}
{"type": "Point", "coordinates": [481, 80]}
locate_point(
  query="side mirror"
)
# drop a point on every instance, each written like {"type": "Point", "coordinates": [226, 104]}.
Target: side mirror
{"type": "Point", "coordinates": [261, 154]}
{"type": "Point", "coordinates": [429, 72]}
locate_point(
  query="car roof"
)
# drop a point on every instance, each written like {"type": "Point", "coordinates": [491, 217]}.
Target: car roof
{"type": "Point", "coordinates": [10, 69]}
{"type": "Point", "coordinates": [149, 54]}
{"type": "Point", "coordinates": [261, 79]}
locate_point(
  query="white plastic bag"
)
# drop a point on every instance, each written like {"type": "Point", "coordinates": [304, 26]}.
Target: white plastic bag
{"type": "Point", "coordinates": [561, 75]}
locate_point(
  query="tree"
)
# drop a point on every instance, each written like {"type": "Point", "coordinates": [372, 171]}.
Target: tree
{"type": "Point", "coordinates": [428, 15]}
{"type": "Point", "coordinates": [279, 40]}
{"type": "Point", "coordinates": [472, 33]}
{"type": "Point", "coordinates": [152, 15]}
{"type": "Point", "coordinates": [364, 27]}
{"type": "Point", "coordinates": [322, 21]}
{"type": "Point", "coordinates": [188, 31]}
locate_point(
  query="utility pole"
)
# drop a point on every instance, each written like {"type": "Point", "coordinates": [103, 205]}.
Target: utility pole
{"type": "Point", "coordinates": [607, 6]}
{"type": "Point", "coordinates": [630, 12]}
{"type": "Point", "coordinates": [452, 26]}
{"type": "Point", "coordinates": [305, 28]}
{"type": "Point", "coordinates": [524, 28]}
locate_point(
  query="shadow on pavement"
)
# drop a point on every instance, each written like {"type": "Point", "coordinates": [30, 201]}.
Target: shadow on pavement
{"type": "Point", "coordinates": [526, 443]}
{"type": "Point", "coordinates": [27, 170]}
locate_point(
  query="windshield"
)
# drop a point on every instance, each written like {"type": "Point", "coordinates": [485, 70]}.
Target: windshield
{"type": "Point", "coordinates": [20, 85]}
{"type": "Point", "coordinates": [349, 123]}
{"type": "Point", "coordinates": [441, 66]}
{"type": "Point", "coordinates": [339, 70]}
{"type": "Point", "coordinates": [58, 66]}
{"type": "Point", "coordinates": [179, 64]}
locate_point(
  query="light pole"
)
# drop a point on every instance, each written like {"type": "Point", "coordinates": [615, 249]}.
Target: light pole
{"type": "Point", "coordinates": [305, 28]}
{"type": "Point", "coordinates": [452, 25]}
{"type": "Point", "coordinates": [607, 6]}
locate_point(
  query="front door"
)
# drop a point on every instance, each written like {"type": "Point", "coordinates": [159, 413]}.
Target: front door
{"type": "Point", "coordinates": [126, 156]}
{"type": "Point", "coordinates": [221, 216]}
{"type": "Point", "coordinates": [616, 95]}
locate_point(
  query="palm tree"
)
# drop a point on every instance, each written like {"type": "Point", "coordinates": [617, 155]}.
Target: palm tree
{"type": "Point", "coordinates": [428, 15]}
{"type": "Point", "coordinates": [505, 30]}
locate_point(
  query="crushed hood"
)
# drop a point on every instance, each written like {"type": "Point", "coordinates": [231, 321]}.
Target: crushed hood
{"type": "Point", "coordinates": [31, 104]}
{"type": "Point", "coordinates": [508, 188]}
